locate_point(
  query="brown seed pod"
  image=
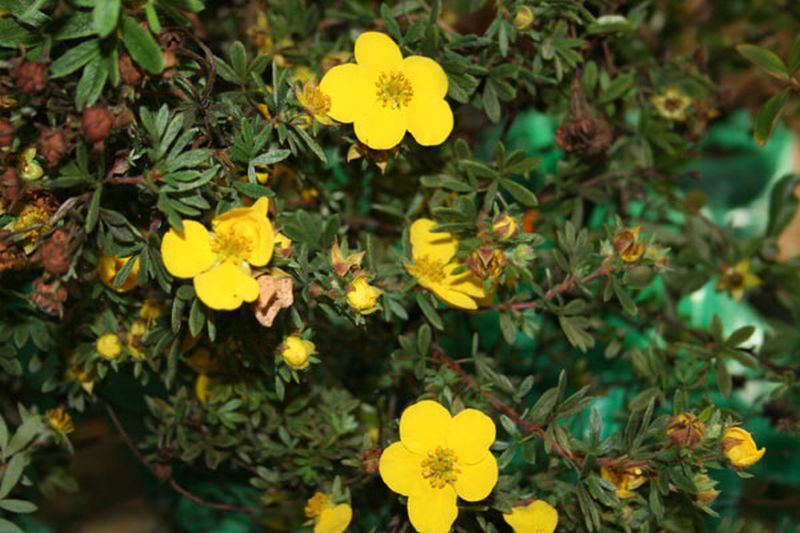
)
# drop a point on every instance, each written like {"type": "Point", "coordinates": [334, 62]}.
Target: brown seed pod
{"type": "Point", "coordinates": [129, 73]}
{"type": "Point", "coordinates": [55, 254]}
{"type": "Point", "coordinates": [30, 77]}
{"type": "Point", "coordinates": [583, 132]}
{"type": "Point", "coordinates": [7, 132]}
{"type": "Point", "coordinates": [96, 124]}
{"type": "Point", "coordinates": [11, 185]}
{"type": "Point", "coordinates": [52, 145]}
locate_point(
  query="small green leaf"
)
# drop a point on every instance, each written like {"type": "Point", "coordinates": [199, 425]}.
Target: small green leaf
{"type": "Point", "coordinates": [766, 59]}
{"type": "Point", "coordinates": [142, 46]}
{"type": "Point", "coordinates": [75, 58]}
{"type": "Point", "coordinates": [429, 312]}
{"type": "Point", "coordinates": [520, 193]}
{"type": "Point", "coordinates": [768, 116]}
{"type": "Point", "coordinates": [311, 143]}
{"type": "Point", "coordinates": [91, 83]}
{"type": "Point", "coordinates": [106, 16]}
{"type": "Point", "coordinates": [9, 527]}
{"type": "Point", "coordinates": [18, 506]}
{"type": "Point", "coordinates": [12, 474]}
{"type": "Point", "coordinates": [94, 210]}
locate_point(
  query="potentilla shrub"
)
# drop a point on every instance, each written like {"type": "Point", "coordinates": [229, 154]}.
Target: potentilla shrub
{"type": "Point", "coordinates": [410, 266]}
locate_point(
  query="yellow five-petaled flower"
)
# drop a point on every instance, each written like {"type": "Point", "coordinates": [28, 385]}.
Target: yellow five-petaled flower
{"type": "Point", "coordinates": [384, 95]}
{"type": "Point", "coordinates": [219, 263]}
{"type": "Point", "coordinates": [433, 256]}
{"type": "Point", "coordinates": [439, 458]}
{"type": "Point", "coordinates": [536, 517]}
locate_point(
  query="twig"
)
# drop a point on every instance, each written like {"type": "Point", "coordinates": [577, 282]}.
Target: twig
{"type": "Point", "coordinates": [174, 485]}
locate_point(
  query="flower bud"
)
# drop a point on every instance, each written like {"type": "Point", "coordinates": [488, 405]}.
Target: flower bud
{"type": "Point", "coordinates": [706, 493]}
{"type": "Point", "coordinates": [96, 124]}
{"type": "Point", "coordinates": [59, 420]}
{"type": "Point", "coordinates": [523, 18]}
{"type": "Point", "coordinates": [52, 145]}
{"type": "Point", "coordinates": [109, 266]}
{"type": "Point", "coordinates": [295, 352]}
{"type": "Point", "coordinates": [30, 77]}
{"type": "Point", "coordinates": [686, 430]}
{"type": "Point", "coordinates": [28, 167]}
{"type": "Point", "coordinates": [627, 245]}
{"type": "Point", "coordinates": [108, 346]}
{"type": "Point", "coordinates": [740, 448]}
{"type": "Point", "coordinates": [505, 227]}
{"type": "Point", "coordinates": [362, 296]}
{"type": "Point", "coordinates": [487, 263]}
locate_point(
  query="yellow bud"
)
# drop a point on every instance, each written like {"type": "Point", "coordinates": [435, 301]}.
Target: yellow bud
{"type": "Point", "coordinates": [29, 169]}
{"type": "Point", "coordinates": [296, 351]}
{"type": "Point", "coordinates": [60, 421]}
{"type": "Point", "coordinates": [740, 448]}
{"type": "Point", "coordinates": [108, 346]}
{"type": "Point", "coordinates": [109, 266]}
{"type": "Point", "coordinates": [706, 493]}
{"type": "Point", "coordinates": [523, 18]}
{"type": "Point", "coordinates": [686, 430]}
{"type": "Point", "coordinates": [505, 227]}
{"type": "Point", "coordinates": [362, 296]}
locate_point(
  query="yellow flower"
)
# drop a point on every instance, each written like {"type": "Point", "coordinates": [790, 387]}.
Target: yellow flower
{"type": "Point", "coordinates": [706, 493]}
{"type": "Point", "coordinates": [76, 373]}
{"type": "Point", "coordinates": [328, 518]}
{"type": "Point", "coordinates": [296, 351]}
{"type": "Point", "coordinates": [672, 104]}
{"type": "Point", "coordinates": [523, 18]}
{"type": "Point", "coordinates": [135, 336]}
{"type": "Point", "coordinates": [150, 311]}
{"type": "Point", "coordinates": [625, 479]}
{"type": "Point", "coordinates": [108, 346]}
{"type": "Point", "coordinates": [433, 256]}
{"type": "Point", "coordinates": [627, 245]}
{"type": "Point", "coordinates": [60, 421]}
{"type": "Point", "coordinates": [29, 169]}
{"type": "Point", "coordinates": [33, 217]}
{"type": "Point", "coordinates": [384, 95]}
{"type": "Point", "coordinates": [109, 266]}
{"type": "Point", "coordinates": [201, 387]}
{"type": "Point", "coordinates": [219, 264]}
{"type": "Point", "coordinates": [362, 296]}
{"type": "Point", "coordinates": [740, 448]}
{"type": "Point", "coordinates": [738, 279]}
{"type": "Point", "coordinates": [314, 101]}
{"type": "Point", "coordinates": [439, 458]}
{"type": "Point", "coordinates": [536, 517]}
{"type": "Point", "coordinates": [505, 227]}
{"type": "Point", "coordinates": [283, 245]}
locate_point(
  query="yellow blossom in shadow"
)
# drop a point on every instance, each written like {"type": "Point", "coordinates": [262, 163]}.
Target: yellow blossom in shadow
{"type": "Point", "coordinates": [438, 459]}
{"type": "Point", "coordinates": [314, 101]}
{"type": "Point", "coordinates": [384, 95]}
{"type": "Point", "coordinates": [737, 279]}
{"type": "Point", "coordinates": [29, 169]}
{"type": "Point", "coordinates": [109, 266]}
{"type": "Point", "coordinates": [326, 516]}
{"type": "Point", "coordinates": [76, 373]}
{"type": "Point", "coordinates": [740, 448]}
{"type": "Point", "coordinates": [296, 351]}
{"type": "Point", "coordinates": [672, 104]}
{"type": "Point", "coordinates": [108, 346]}
{"type": "Point", "coordinates": [362, 296]}
{"type": "Point", "coordinates": [134, 339]}
{"type": "Point", "coordinates": [60, 421]}
{"type": "Point", "coordinates": [536, 517]}
{"type": "Point", "coordinates": [625, 479]}
{"type": "Point", "coordinates": [433, 256]}
{"type": "Point", "coordinates": [219, 264]}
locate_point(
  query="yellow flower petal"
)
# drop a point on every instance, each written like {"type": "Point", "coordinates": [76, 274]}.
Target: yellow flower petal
{"type": "Point", "coordinates": [429, 121]}
{"type": "Point", "coordinates": [335, 519]}
{"type": "Point", "coordinates": [424, 426]}
{"type": "Point", "coordinates": [433, 510]}
{"type": "Point", "coordinates": [471, 434]}
{"type": "Point", "coordinates": [476, 481]}
{"type": "Point", "coordinates": [189, 253]}
{"type": "Point", "coordinates": [377, 51]}
{"type": "Point", "coordinates": [401, 470]}
{"type": "Point", "coordinates": [453, 297]}
{"type": "Point", "coordinates": [252, 223]}
{"type": "Point", "coordinates": [351, 89]}
{"type": "Point", "coordinates": [380, 127]}
{"type": "Point", "coordinates": [536, 517]}
{"type": "Point", "coordinates": [467, 283]}
{"type": "Point", "coordinates": [437, 246]}
{"type": "Point", "coordinates": [426, 76]}
{"type": "Point", "coordinates": [201, 387]}
{"type": "Point", "coordinates": [225, 287]}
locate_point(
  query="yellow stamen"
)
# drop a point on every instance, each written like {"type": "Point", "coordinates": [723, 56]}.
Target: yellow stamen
{"type": "Point", "coordinates": [427, 270]}
{"type": "Point", "coordinates": [231, 244]}
{"type": "Point", "coordinates": [440, 467]}
{"type": "Point", "coordinates": [394, 89]}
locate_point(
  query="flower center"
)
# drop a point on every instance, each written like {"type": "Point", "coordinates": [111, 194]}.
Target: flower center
{"type": "Point", "coordinates": [231, 244]}
{"type": "Point", "coordinates": [394, 89]}
{"type": "Point", "coordinates": [427, 270]}
{"type": "Point", "coordinates": [440, 467]}
{"type": "Point", "coordinates": [317, 102]}
{"type": "Point", "coordinates": [673, 104]}
{"type": "Point", "coordinates": [316, 504]}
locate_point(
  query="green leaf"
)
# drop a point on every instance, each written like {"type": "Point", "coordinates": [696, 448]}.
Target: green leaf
{"type": "Point", "coordinates": [520, 193]}
{"type": "Point", "coordinates": [197, 318]}
{"type": "Point", "coordinates": [142, 46]}
{"type": "Point", "coordinates": [766, 59]}
{"type": "Point", "coordinates": [106, 16]}
{"type": "Point", "coordinates": [575, 329]}
{"type": "Point", "coordinates": [311, 143]}
{"type": "Point", "coordinates": [768, 116]}
{"type": "Point", "coordinates": [9, 527]}
{"type": "Point", "coordinates": [391, 23]}
{"type": "Point", "coordinates": [429, 312]}
{"type": "Point", "coordinates": [185, 5]}
{"type": "Point", "coordinates": [18, 506]}
{"type": "Point", "coordinates": [740, 336]}
{"type": "Point", "coordinates": [91, 83]}
{"type": "Point", "coordinates": [75, 58]}
{"type": "Point", "coordinates": [12, 474]}
{"type": "Point", "coordinates": [3, 435]}
{"type": "Point", "coordinates": [271, 157]}
{"type": "Point", "coordinates": [94, 210]}
{"type": "Point", "coordinates": [794, 56]}
{"type": "Point", "coordinates": [491, 104]}
{"type": "Point", "coordinates": [239, 59]}
{"type": "Point", "coordinates": [724, 380]}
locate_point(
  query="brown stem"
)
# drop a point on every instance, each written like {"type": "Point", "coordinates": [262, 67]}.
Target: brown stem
{"type": "Point", "coordinates": [174, 485]}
